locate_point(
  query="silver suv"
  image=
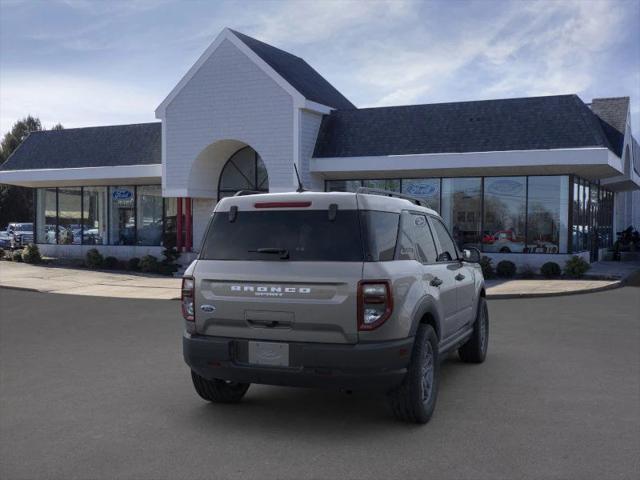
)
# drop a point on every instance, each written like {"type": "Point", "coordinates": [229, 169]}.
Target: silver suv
{"type": "Point", "coordinates": [361, 290]}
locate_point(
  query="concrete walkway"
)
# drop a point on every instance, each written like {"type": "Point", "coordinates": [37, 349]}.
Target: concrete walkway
{"type": "Point", "coordinates": [498, 289]}
{"type": "Point", "coordinates": [76, 281]}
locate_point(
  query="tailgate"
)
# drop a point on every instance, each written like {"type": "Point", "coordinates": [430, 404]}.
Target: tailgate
{"type": "Point", "coordinates": [281, 301]}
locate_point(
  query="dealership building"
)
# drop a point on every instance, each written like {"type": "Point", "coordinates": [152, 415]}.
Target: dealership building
{"type": "Point", "coordinates": [528, 179]}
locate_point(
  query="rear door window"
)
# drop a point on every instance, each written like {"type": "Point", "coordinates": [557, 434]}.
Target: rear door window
{"type": "Point", "coordinates": [284, 235]}
{"type": "Point", "coordinates": [380, 232]}
{"type": "Point", "coordinates": [447, 252]}
{"type": "Point", "coordinates": [415, 239]}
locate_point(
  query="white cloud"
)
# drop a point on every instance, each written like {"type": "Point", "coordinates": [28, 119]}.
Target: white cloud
{"type": "Point", "coordinates": [533, 48]}
{"type": "Point", "coordinates": [308, 22]}
{"type": "Point", "coordinates": [73, 101]}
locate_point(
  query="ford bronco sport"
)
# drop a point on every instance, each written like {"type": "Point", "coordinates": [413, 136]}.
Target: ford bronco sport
{"type": "Point", "coordinates": [347, 290]}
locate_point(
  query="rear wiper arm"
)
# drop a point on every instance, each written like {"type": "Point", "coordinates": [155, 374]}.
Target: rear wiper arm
{"type": "Point", "coordinates": [283, 252]}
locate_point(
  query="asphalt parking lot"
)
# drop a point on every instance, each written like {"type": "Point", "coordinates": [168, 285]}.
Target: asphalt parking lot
{"type": "Point", "coordinates": [96, 388]}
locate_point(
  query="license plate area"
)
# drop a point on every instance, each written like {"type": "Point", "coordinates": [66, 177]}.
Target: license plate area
{"type": "Point", "coordinates": [269, 353]}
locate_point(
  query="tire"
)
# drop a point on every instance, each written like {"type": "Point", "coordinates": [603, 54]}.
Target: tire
{"type": "Point", "coordinates": [409, 401]}
{"type": "Point", "coordinates": [475, 349]}
{"type": "Point", "coordinates": [219, 391]}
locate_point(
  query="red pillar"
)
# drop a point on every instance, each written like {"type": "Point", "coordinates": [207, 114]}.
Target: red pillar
{"type": "Point", "coordinates": [179, 224]}
{"type": "Point", "coordinates": [189, 232]}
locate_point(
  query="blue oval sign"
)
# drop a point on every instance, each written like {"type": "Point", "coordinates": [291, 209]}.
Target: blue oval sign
{"type": "Point", "coordinates": [122, 194]}
{"type": "Point", "coordinates": [506, 187]}
{"type": "Point", "coordinates": [422, 189]}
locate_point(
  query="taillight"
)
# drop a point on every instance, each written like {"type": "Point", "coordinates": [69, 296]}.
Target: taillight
{"type": "Point", "coordinates": [186, 299]}
{"type": "Point", "coordinates": [375, 303]}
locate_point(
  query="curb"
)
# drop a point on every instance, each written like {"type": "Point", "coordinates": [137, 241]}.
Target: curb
{"type": "Point", "coordinates": [506, 296]}
{"type": "Point", "coordinates": [26, 289]}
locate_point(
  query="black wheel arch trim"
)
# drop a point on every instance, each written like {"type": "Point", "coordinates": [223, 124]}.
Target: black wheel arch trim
{"type": "Point", "coordinates": [426, 306]}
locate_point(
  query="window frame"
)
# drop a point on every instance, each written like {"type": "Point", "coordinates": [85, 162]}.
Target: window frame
{"type": "Point", "coordinates": [430, 230]}
{"type": "Point", "coordinates": [433, 218]}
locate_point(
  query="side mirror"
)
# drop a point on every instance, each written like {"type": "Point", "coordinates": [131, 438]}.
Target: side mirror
{"type": "Point", "coordinates": [471, 255]}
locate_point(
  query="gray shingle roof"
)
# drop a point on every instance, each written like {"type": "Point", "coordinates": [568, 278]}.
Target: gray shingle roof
{"type": "Point", "coordinates": [532, 123]}
{"type": "Point", "coordinates": [298, 73]}
{"type": "Point", "coordinates": [138, 144]}
{"type": "Point", "coordinates": [613, 115]}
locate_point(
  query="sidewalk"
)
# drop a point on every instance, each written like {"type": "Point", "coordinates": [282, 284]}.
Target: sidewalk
{"type": "Point", "coordinates": [601, 276]}
{"type": "Point", "coordinates": [74, 281]}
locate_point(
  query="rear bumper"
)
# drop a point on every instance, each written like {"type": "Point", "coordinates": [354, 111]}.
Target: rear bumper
{"type": "Point", "coordinates": [379, 365]}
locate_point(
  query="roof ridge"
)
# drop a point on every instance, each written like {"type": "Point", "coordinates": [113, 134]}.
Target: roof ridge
{"type": "Point", "coordinates": [468, 101]}
{"type": "Point", "coordinates": [592, 123]}
{"type": "Point", "coordinates": [98, 126]}
{"type": "Point", "coordinates": [235, 32]}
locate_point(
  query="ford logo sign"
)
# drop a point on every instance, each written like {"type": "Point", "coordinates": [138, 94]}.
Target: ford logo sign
{"type": "Point", "coordinates": [506, 187]}
{"type": "Point", "coordinates": [422, 189]}
{"type": "Point", "coordinates": [207, 308]}
{"type": "Point", "coordinates": [122, 194]}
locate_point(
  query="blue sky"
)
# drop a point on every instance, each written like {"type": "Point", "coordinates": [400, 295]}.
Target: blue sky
{"type": "Point", "coordinates": [84, 63]}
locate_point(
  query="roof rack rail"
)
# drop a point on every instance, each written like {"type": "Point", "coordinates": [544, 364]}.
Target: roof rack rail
{"type": "Point", "coordinates": [242, 193]}
{"type": "Point", "coordinates": [388, 193]}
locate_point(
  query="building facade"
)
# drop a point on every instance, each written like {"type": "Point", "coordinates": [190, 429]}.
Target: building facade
{"type": "Point", "coordinates": [529, 179]}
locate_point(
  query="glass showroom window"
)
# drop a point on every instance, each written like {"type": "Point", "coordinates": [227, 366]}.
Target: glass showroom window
{"type": "Point", "coordinates": [122, 228]}
{"type": "Point", "coordinates": [70, 216]}
{"type": "Point", "coordinates": [342, 185]}
{"type": "Point", "coordinates": [427, 189]}
{"type": "Point", "coordinates": [547, 214]}
{"type": "Point", "coordinates": [391, 185]}
{"type": "Point", "coordinates": [46, 215]}
{"type": "Point", "coordinates": [461, 209]}
{"type": "Point", "coordinates": [505, 200]}
{"type": "Point", "coordinates": [94, 216]}
{"type": "Point", "coordinates": [149, 215]}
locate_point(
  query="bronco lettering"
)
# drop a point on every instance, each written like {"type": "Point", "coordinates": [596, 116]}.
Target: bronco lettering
{"type": "Point", "coordinates": [269, 289]}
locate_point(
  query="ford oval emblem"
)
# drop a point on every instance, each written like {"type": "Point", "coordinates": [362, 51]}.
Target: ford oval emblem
{"type": "Point", "coordinates": [122, 194]}
{"type": "Point", "coordinates": [207, 308]}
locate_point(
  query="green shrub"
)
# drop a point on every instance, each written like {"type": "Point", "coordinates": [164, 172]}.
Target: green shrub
{"type": "Point", "coordinates": [167, 269]}
{"type": "Point", "coordinates": [576, 267]}
{"type": "Point", "coordinates": [1, 253]}
{"type": "Point", "coordinates": [550, 270]}
{"type": "Point", "coordinates": [110, 263]}
{"type": "Point", "coordinates": [94, 258]}
{"type": "Point", "coordinates": [17, 256]}
{"type": "Point", "coordinates": [506, 269]}
{"type": "Point", "coordinates": [149, 264]}
{"type": "Point", "coordinates": [487, 267]}
{"type": "Point", "coordinates": [31, 254]}
{"type": "Point", "coordinates": [527, 271]}
{"type": "Point", "coordinates": [133, 264]}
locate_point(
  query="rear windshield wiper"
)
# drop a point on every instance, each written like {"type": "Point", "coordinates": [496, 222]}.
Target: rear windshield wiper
{"type": "Point", "coordinates": [283, 252]}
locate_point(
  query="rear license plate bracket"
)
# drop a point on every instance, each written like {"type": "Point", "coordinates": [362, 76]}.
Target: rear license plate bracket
{"type": "Point", "coordinates": [275, 354]}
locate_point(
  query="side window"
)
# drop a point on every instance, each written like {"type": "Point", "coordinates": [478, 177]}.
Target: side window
{"type": "Point", "coordinates": [448, 250]}
{"type": "Point", "coordinates": [380, 234]}
{"type": "Point", "coordinates": [416, 241]}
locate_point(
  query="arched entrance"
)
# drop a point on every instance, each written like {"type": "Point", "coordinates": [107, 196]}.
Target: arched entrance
{"type": "Point", "coordinates": [244, 170]}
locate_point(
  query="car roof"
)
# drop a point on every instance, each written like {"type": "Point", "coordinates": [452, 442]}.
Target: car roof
{"type": "Point", "coordinates": [321, 201]}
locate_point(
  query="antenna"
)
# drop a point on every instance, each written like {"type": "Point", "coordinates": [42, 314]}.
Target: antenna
{"type": "Point", "coordinates": [300, 186]}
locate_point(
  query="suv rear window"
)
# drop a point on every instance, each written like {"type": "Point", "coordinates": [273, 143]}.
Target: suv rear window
{"type": "Point", "coordinates": [308, 235]}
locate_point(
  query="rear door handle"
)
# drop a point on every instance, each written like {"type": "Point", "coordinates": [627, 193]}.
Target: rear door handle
{"type": "Point", "coordinates": [436, 282]}
{"type": "Point", "coordinates": [459, 277]}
